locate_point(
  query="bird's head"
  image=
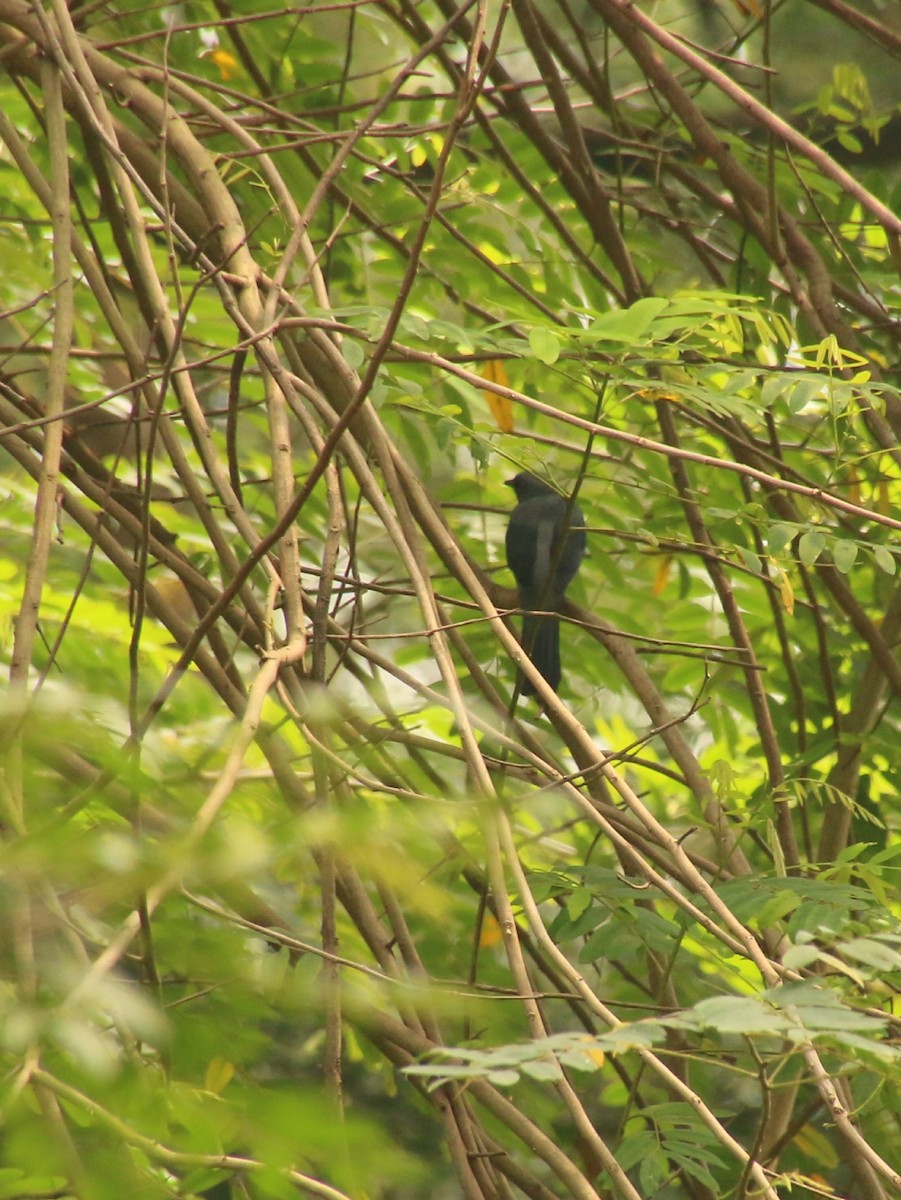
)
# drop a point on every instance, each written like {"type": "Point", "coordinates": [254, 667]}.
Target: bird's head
{"type": "Point", "coordinates": [526, 485]}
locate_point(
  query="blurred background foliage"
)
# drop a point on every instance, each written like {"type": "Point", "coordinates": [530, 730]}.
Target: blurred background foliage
{"type": "Point", "coordinates": [298, 896]}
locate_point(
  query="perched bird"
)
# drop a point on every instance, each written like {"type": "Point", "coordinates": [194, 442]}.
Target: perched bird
{"type": "Point", "coordinates": [545, 545]}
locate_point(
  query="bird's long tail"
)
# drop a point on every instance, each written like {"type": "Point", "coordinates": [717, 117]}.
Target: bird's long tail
{"type": "Point", "coordinates": [541, 641]}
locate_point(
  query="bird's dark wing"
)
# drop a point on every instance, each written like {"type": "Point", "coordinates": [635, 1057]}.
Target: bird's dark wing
{"type": "Point", "coordinates": [545, 545]}
{"type": "Point", "coordinates": [533, 537]}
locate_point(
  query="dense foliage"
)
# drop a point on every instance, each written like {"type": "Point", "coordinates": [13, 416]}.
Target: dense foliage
{"type": "Point", "coordinates": [299, 894]}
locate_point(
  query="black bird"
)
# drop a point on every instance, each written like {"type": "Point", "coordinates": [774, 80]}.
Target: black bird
{"type": "Point", "coordinates": [545, 545]}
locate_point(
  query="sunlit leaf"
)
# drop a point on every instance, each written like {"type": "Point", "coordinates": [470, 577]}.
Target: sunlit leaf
{"type": "Point", "coordinates": [662, 574]}
{"type": "Point", "coordinates": [219, 1074]}
{"type": "Point", "coordinates": [226, 63]}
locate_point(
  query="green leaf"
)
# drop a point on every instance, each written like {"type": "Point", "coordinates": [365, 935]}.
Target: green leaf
{"type": "Point", "coordinates": [735, 1014]}
{"type": "Point", "coordinates": [796, 958]}
{"type": "Point", "coordinates": [653, 1170]}
{"type": "Point", "coordinates": [636, 1147]}
{"type": "Point", "coordinates": [802, 392]}
{"type": "Point", "coordinates": [628, 324]}
{"type": "Point", "coordinates": [578, 902]}
{"type": "Point", "coordinates": [542, 1070]}
{"type": "Point", "coordinates": [353, 352]}
{"type": "Point", "coordinates": [16, 1183]}
{"type": "Point", "coordinates": [778, 537]}
{"type": "Point", "coordinates": [872, 954]}
{"type": "Point", "coordinates": [544, 344]}
{"type": "Point", "coordinates": [848, 140]}
{"type": "Point", "coordinates": [750, 560]}
{"type": "Point", "coordinates": [843, 554]}
{"type": "Point", "coordinates": [885, 560]}
{"type": "Point", "coordinates": [810, 546]}
{"type": "Point", "coordinates": [778, 906]}
{"type": "Point", "coordinates": [818, 1007]}
{"type": "Point", "coordinates": [505, 1078]}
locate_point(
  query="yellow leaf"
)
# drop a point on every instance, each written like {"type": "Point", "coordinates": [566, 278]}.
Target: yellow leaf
{"type": "Point", "coordinates": [657, 393]}
{"type": "Point", "coordinates": [787, 593]}
{"type": "Point", "coordinates": [661, 578]}
{"type": "Point", "coordinates": [883, 501]}
{"type": "Point", "coordinates": [227, 63]}
{"type": "Point", "coordinates": [491, 933]}
{"type": "Point", "coordinates": [171, 589]}
{"type": "Point", "coordinates": [816, 1146]}
{"type": "Point", "coordinates": [501, 407]}
{"type": "Point", "coordinates": [811, 1183]}
{"type": "Point", "coordinates": [852, 489]}
{"type": "Point", "coordinates": [596, 1056]}
{"type": "Point", "coordinates": [219, 1075]}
